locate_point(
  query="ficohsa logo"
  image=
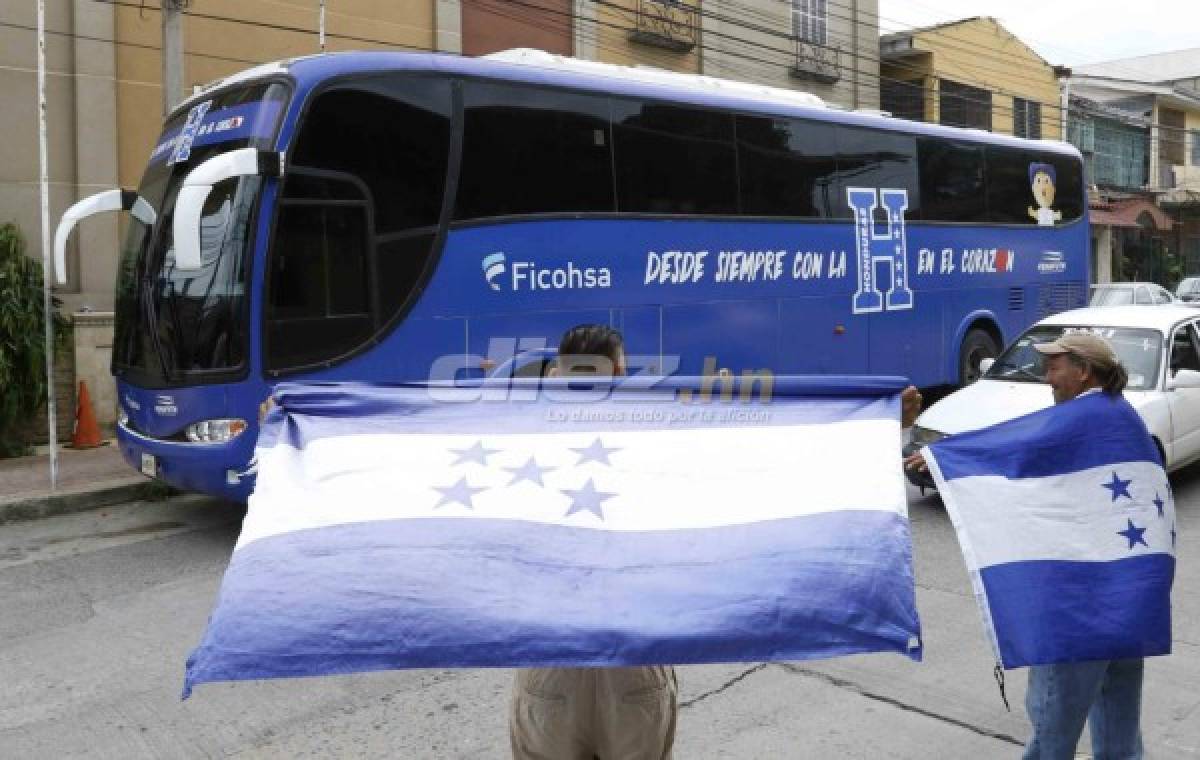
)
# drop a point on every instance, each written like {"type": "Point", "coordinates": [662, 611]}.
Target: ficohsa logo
{"type": "Point", "coordinates": [528, 275]}
{"type": "Point", "coordinates": [493, 268]}
{"type": "Point", "coordinates": [1052, 262]}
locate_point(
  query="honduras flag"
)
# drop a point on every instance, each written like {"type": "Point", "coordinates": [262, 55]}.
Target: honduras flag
{"type": "Point", "coordinates": [1067, 524]}
{"type": "Point", "coordinates": [404, 527]}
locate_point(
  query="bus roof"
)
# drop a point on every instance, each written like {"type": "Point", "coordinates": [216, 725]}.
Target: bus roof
{"type": "Point", "coordinates": [539, 68]}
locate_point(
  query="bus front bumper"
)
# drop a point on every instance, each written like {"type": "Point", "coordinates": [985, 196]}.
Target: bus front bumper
{"type": "Point", "coordinates": [214, 469]}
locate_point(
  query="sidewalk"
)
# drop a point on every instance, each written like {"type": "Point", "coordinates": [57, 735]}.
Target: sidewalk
{"type": "Point", "coordinates": [87, 478]}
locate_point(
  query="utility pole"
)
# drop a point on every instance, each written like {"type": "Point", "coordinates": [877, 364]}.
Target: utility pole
{"type": "Point", "coordinates": [172, 53]}
{"type": "Point", "coordinates": [47, 299]}
{"type": "Point", "coordinates": [321, 34]}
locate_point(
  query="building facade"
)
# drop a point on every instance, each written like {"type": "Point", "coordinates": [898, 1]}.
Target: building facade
{"type": "Point", "coordinates": [970, 73]}
{"type": "Point", "coordinates": [1137, 122]}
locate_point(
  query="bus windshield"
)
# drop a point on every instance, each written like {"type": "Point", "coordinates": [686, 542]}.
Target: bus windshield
{"type": "Point", "coordinates": [178, 327]}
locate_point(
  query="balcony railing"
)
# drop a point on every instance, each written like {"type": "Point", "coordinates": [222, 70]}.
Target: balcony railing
{"type": "Point", "coordinates": [817, 63]}
{"type": "Point", "coordinates": [666, 24]}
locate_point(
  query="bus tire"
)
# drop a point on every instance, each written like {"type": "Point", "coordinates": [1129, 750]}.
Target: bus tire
{"type": "Point", "coordinates": [977, 345]}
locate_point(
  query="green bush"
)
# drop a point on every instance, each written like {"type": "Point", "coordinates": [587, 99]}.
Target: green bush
{"type": "Point", "coordinates": [22, 340]}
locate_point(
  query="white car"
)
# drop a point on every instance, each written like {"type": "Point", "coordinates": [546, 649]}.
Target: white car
{"type": "Point", "coordinates": [1159, 347]}
{"type": "Point", "coordinates": [1122, 293]}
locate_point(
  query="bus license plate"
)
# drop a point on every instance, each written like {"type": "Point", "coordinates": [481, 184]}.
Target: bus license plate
{"type": "Point", "coordinates": [149, 466]}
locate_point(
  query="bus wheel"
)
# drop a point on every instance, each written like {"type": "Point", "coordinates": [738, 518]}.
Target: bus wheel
{"type": "Point", "coordinates": [976, 346]}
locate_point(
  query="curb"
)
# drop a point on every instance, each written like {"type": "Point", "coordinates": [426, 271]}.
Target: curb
{"type": "Point", "coordinates": [102, 494]}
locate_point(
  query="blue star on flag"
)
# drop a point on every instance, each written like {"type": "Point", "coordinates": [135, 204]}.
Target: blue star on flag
{"type": "Point", "coordinates": [587, 499]}
{"type": "Point", "coordinates": [461, 493]}
{"type": "Point", "coordinates": [1134, 535]}
{"type": "Point", "coordinates": [530, 471]}
{"type": "Point", "coordinates": [476, 453]}
{"type": "Point", "coordinates": [1158, 502]}
{"type": "Point", "coordinates": [596, 452]}
{"type": "Point", "coordinates": [1118, 487]}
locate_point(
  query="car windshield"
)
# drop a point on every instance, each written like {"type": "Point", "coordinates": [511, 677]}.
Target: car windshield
{"type": "Point", "coordinates": [1111, 296]}
{"type": "Point", "coordinates": [1139, 350]}
{"type": "Point", "coordinates": [1189, 285]}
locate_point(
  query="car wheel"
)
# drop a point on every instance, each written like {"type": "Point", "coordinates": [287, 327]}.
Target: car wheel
{"type": "Point", "coordinates": [976, 346]}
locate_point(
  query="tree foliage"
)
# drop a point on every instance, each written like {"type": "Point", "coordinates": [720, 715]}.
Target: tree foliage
{"type": "Point", "coordinates": [22, 339]}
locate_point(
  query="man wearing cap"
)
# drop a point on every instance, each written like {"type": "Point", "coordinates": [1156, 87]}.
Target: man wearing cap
{"type": "Point", "coordinates": [1107, 694]}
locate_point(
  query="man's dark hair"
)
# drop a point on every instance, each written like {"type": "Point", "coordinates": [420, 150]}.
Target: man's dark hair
{"type": "Point", "coordinates": [592, 340]}
{"type": "Point", "coordinates": [1112, 377]}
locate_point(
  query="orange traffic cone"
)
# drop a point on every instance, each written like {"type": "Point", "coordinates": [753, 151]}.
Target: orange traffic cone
{"type": "Point", "coordinates": [87, 432]}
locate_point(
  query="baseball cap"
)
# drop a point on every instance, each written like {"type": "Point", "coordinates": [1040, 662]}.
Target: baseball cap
{"type": "Point", "coordinates": [1087, 346]}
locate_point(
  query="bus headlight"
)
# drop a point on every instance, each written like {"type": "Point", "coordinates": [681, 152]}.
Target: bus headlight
{"type": "Point", "coordinates": [925, 436]}
{"type": "Point", "coordinates": [215, 431]}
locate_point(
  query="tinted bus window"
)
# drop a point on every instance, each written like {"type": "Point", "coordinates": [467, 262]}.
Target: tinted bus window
{"type": "Point", "coordinates": [673, 160]}
{"type": "Point", "coordinates": [786, 167]}
{"type": "Point", "coordinates": [318, 299]}
{"type": "Point", "coordinates": [1008, 190]}
{"type": "Point", "coordinates": [1011, 196]}
{"type": "Point", "coordinates": [368, 173]}
{"type": "Point", "coordinates": [876, 159]}
{"type": "Point", "coordinates": [392, 133]}
{"type": "Point", "coordinates": [533, 151]}
{"type": "Point", "coordinates": [952, 181]}
{"type": "Point", "coordinates": [1068, 185]}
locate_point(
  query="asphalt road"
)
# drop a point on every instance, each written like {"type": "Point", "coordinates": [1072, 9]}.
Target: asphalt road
{"type": "Point", "coordinates": [98, 612]}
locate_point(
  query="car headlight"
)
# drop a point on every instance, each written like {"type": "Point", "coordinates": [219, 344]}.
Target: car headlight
{"type": "Point", "coordinates": [122, 417]}
{"type": "Point", "coordinates": [215, 431]}
{"type": "Point", "coordinates": [924, 436]}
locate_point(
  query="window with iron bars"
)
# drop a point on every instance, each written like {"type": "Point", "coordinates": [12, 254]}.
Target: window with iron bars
{"type": "Point", "coordinates": [810, 21]}
{"type": "Point", "coordinates": [1027, 118]}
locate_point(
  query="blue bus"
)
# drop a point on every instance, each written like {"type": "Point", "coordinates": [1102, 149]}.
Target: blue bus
{"type": "Point", "coordinates": [395, 217]}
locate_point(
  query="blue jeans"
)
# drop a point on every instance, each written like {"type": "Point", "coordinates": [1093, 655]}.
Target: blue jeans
{"type": "Point", "coordinates": [1106, 694]}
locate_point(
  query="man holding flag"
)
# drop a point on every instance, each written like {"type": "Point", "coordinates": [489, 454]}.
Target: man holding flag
{"type": "Point", "coordinates": [1066, 522]}
{"type": "Point", "coordinates": [627, 713]}
{"type": "Point", "coordinates": [573, 528]}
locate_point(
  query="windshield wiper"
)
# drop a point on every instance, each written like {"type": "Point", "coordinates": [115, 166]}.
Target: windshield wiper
{"type": "Point", "coordinates": [1016, 370]}
{"type": "Point", "coordinates": [146, 296]}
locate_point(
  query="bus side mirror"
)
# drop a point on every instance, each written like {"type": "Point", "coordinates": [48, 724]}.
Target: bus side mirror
{"type": "Point", "coordinates": [189, 203]}
{"type": "Point", "coordinates": [985, 364]}
{"type": "Point", "coordinates": [109, 200]}
{"type": "Point", "coordinates": [1184, 378]}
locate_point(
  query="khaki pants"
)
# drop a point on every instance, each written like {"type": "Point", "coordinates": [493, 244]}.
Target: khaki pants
{"type": "Point", "coordinates": [606, 713]}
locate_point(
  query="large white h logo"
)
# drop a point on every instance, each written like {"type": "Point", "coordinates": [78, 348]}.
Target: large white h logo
{"type": "Point", "coordinates": [889, 247]}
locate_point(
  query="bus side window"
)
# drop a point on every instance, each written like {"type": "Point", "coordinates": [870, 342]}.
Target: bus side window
{"type": "Point", "coordinates": [318, 299]}
{"type": "Point", "coordinates": [1068, 185]}
{"type": "Point", "coordinates": [952, 186]}
{"type": "Point", "coordinates": [390, 132]}
{"type": "Point", "coordinates": [528, 150]}
{"type": "Point", "coordinates": [673, 160]}
{"type": "Point", "coordinates": [786, 167]}
{"type": "Point", "coordinates": [1010, 197]}
{"type": "Point", "coordinates": [873, 158]}
{"type": "Point", "coordinates": [358, 215]}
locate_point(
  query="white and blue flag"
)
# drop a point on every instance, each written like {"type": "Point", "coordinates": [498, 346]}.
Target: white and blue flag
{"type": "Point", "coordinates": [1067, 524]}
{"type": "Point", "coordinates": [389, 529]}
